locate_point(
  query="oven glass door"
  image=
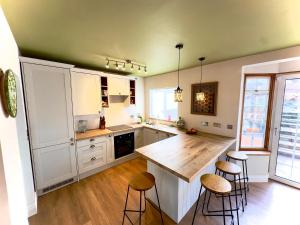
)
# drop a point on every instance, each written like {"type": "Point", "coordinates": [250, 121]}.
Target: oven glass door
{"type": "Point", "coordinates": [124, 144]}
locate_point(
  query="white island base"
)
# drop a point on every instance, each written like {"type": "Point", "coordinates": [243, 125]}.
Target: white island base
{"type": "Point", "coordinates": [176, 196]}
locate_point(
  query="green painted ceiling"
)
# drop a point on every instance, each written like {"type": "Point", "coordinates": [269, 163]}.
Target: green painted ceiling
{"type": "Point", "coordinates": [84, 32]}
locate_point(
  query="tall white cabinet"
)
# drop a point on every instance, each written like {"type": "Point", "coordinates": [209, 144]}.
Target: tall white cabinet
{"type": "Point", "coordinates": [51, 127]}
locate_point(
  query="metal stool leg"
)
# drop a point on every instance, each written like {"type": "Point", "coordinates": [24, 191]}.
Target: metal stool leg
{"type": "Point", "coordinates": [244, 180]}
{"type": "Point", "coordinates": [236, 201]}
{"type": "Point", "coordinates": [223, 204]}
{"type": "Point", "coordinates": [125, 205]}
{"type": "Point", "coordinates": [162, 221]}
{"type": "Point", "coordinates": [231, 211]}
{"type": "Point", "coordinates": [197, 205]}
{"type": "Point", "coordinates": [247, 175]}
{"type": "Point", "coordinates": [241, 190]}
{"type": "Point", "coordinates": [205, 192]}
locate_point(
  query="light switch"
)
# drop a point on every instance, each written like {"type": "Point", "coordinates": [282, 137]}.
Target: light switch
{"type": "Point", "coordinates": [229, 126]}
{"type": "Point", "coordinates": [217, 125]}
{"type": "Point", "coordinates": [204, 124]}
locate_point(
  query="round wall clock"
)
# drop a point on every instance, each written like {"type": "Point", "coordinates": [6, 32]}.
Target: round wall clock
{"type": "Point", "coordinates": [9, 92]}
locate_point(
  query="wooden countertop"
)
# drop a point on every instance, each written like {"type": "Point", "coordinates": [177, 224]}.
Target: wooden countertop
{"type": "Point", "coordinates": [186, 155]}
{"type": "Point", "coordinates": [91, 134]}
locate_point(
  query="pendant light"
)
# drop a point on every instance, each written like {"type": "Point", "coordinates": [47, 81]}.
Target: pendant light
{"type": "Point", "coordinates": [178, 91]}
{"type": "Point", "coordinates": [200, 96]}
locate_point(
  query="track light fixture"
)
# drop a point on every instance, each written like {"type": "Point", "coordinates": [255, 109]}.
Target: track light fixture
{"type": "Point", "coordinates": [121, 64]}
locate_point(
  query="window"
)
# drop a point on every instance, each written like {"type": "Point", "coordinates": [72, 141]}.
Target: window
{"type": "Point", "coordinates": [256, 114]}
{"type": "Point", "coordinates": [162, 105]}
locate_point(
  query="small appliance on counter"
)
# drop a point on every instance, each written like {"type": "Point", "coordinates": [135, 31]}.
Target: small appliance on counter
{"type": "Point", "coordinates": [82, 126]}
{"type": "Point", "coordinates": [180, 123]}
{"type": "Point", "coordinates": [102, 123]}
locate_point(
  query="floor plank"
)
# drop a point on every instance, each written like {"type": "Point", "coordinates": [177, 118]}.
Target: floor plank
{"type": "Point", "coordinates": [100, 199]}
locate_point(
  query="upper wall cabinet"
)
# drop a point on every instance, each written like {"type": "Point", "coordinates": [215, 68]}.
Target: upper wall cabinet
{"type": "Point", "coordinates": [118, 86]}
{"type": "Point", "coordinates": [86, 93]}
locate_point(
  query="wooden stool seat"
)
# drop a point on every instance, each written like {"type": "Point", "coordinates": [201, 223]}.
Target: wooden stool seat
{"type": "Point", "coordinates": [142, 182]}
{"type": "Point", "coordinates": [228, 167]}
{"type": "Point", "coordinates": [237, 155]}
{"type": "Point", "coordinates": [215, 184]}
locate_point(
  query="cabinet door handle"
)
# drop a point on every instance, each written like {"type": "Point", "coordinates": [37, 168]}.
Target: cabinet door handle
{"type": "Point", "coordinates": [92, 139]}
{"type": "Point", "coordinates": [71, 139]}
{"type": "Point", "coordinates": [71, 143]}
{"type": "Point", "coordinates": [92, 146]}
{"type": "Point", "coordinates": [93, 159]}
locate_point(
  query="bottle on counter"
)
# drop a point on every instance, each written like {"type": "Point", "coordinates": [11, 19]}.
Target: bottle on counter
{"type": "Point", "coordinates": [102, 123]}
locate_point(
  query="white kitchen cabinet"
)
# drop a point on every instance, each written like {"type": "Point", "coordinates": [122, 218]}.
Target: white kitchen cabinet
{"type": "Point", "coordinates": [54, 164]}
{"type": "Point", "coordinates": [50, 118]}
{"type": "Point", "coordinates": [95, 152]}
{"type": "Point", "coordinates": [110, 151]}
{"type": "Point", "coordinates": [86, 93]}
{"type": "Point", "coordinates": [138, 138]}
{"type": "Point", "coordinates": [92, 156]}
{"type": "Point", "coordinates": [118, 86]}
{"type": "Point", "coordinates": [150, 136]}
{"type": "Point", "coordinates": [49, 104]}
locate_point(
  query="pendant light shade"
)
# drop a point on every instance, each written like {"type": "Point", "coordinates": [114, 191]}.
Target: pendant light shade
{"type": "Point", "coordinates": [200, 96]}
{"type": "Point", "coordinates": [178, 94]}
{"type": "Point", "coordinates": [178, 91]}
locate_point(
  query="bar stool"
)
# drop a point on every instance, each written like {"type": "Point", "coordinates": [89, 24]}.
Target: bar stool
{"type": "Point", "coordinates": [217, 185]}
{"type": "Point", "coordinates": [142, 183]}
{"type": "Point", "coordinates": [229, 168]}
{"type": "Point", "coordinates": [240, 156]}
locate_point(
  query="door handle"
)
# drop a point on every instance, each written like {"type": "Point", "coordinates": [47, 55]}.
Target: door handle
{"type": "Point", "coordinates": [93, 159]}
{"type": "Point", "coordinates": [275, 131]}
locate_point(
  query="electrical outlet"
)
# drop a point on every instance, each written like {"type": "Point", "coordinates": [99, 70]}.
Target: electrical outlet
{"type": "Point", "coordinates": [229, 126]}
{"type": "Point", "coordinates": [217, 125]}
{"type": "Point", "coordinates": [204, 124]}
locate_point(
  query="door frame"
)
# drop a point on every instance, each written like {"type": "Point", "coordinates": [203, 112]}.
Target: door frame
{"type": "Point", "coordinates": [277, 111]}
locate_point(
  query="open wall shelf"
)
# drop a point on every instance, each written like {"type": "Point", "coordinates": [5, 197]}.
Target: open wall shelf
{"type": "Point", "coordinates": [104, 92]}
{"type": "Point", "coordinates": [132, 92]}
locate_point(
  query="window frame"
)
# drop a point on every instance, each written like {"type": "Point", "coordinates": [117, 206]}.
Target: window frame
{"type": "Point", "coordinates": [149, 105]}
{"type": "Point", "coordinates": [269, 112]}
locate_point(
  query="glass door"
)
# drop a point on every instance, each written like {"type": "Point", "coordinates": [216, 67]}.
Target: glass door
{"type": "Point", "coordinates": [285, 159]}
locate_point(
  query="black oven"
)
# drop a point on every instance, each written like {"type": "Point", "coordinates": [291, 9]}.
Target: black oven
{"type": "Point", "coordinates": [124, 144]}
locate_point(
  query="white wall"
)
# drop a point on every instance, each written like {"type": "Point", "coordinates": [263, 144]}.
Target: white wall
{"type": "Point", "coordinates": [4, 209]}
{"type": "Point", "coordinates": [119, 111]}
{"type": "Point", "coordinates": [14, 147]}
{"type": "Point", "coordinates": [228, 74]}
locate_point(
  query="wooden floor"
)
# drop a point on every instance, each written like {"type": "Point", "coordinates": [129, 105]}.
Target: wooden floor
{"type": "Point", "coordinates": [100, 199]}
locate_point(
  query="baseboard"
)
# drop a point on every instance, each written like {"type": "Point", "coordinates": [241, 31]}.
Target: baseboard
{"type": "Point", "coordinates": [32, 208]}
{"type": "Point", "coordinates": [258, 178]}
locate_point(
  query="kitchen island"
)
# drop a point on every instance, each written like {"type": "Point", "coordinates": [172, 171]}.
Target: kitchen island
{"type": "Point", "coordinates": [177, 164]}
